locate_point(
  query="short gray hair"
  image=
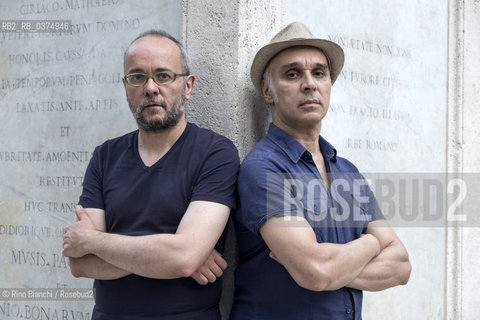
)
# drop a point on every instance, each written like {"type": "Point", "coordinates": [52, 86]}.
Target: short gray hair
{"type": "Point", "coordinates": [268, 79]}
{"type": "Point", "coordinates": [163, 34]}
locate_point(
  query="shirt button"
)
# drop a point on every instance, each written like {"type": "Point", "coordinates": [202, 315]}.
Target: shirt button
{"type": "Point", "coordinates": [349, 311]}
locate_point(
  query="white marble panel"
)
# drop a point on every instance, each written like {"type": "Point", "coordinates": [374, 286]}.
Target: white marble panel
{"type": "Point", "coordinates": [388, 114]}
{"type": "Point", "coordinates": [60, 96]}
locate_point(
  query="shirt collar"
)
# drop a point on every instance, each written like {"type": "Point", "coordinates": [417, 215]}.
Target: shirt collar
{"type": "Point", "coordinates": [328, 151]}
{"type": "Point", "coordinates": [294, 149]}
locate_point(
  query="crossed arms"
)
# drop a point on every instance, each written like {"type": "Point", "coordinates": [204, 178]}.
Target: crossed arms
{"type": "Point", "coordinates": [375, 261]}
{"type": "Point", "coordinates": [189, 252]}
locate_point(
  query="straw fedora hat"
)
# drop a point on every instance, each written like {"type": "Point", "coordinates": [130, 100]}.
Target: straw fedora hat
{"type": "Point", "coordinates": [295, 34]}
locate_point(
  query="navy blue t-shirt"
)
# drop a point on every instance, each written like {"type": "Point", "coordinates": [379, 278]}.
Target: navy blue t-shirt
{"type": "Point", "coordinates": [279, 178]}
{"type": "Point", "coordinates": [141, 200]}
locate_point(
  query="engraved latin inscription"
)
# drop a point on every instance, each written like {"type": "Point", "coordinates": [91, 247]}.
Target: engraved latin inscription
{"type": "Point", "coordinates": [62, 95]}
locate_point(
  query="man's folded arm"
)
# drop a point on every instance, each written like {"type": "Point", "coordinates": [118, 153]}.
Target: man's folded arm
{"type": "Point", "coordinates": [389, 268]}
{"type": "Point", "coordinates": [161, 256]}
{"type": "Point", "coordinates": [313, 265]}
{"type": "Point", "coordinates": [91, 266]}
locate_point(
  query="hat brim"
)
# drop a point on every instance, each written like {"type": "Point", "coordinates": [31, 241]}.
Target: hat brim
{"type": "Point", "coordinates": [332, 50]}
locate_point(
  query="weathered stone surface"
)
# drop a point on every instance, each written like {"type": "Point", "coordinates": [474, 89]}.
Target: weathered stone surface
{"type": "Point", "coordinates": [61, 94]}
{"type": "Point", "coordinates": [388, 114]}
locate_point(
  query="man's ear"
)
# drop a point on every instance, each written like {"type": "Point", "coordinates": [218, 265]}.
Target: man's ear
{"type": "Point", "coordinates": [267, 94]}
{"type": "Point", "coordinates": [189, 82]}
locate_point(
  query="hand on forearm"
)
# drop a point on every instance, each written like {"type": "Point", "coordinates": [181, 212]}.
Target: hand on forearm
{"type": "Point", "coordinates": [352, 259]}
{"type": "Point", "coordinates": [373, 244]}
{"type": "Point", "coordinates": [211, 270]}
{"type": "Point", "coordinates": [78, 236]}
{"type": "Point", "coordinates": [88, 225]}
{"type": "Point", "coordinates": [320, 266]}
{"type": "Point", "coordinates": [345, 261]}
{"type": "Point", "coordinates": [390, 268]}
{"type": "Point", "coordinates": [166, 255]}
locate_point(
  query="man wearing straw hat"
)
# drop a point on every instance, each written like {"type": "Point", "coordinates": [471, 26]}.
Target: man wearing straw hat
{"type": "Point", "coordinates": [311, 236]}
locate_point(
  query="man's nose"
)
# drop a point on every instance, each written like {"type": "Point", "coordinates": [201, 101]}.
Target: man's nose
{"type": "Point", "coordinates": [308, 82]}
{"type": "Point", "coordinates": [151, 88]}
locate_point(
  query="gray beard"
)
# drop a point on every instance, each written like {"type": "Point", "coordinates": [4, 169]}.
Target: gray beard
{"type": "Point", "coordinates": [170, 120]}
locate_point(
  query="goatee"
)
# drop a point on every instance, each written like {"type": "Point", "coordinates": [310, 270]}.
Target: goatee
{"type": "Point", "coordinates": [172, 117]}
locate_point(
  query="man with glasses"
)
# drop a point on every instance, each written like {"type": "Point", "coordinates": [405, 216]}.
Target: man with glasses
{"type": "Point", "coordinates": [155, 201]}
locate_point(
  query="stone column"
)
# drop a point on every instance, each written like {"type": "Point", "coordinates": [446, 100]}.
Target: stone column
{"type": "Point", "coordinates": [463, 243]}
{"type": "Point", "coordinates": [454, 155]}
{"type": "Point", "coordinates": [61, 95]}
{"type": "Point", "coordinates": [221, 38]}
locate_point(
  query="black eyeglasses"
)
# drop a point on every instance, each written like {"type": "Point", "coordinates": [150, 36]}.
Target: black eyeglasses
{"type": "Point", "coordinates": [138, 79]}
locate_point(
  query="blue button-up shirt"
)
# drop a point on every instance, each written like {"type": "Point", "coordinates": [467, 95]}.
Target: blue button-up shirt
{"type": "Point", "coordinates": [280, 178]}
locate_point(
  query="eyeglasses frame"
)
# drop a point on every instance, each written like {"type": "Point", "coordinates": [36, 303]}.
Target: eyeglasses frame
{"type": "Point", "coordinates": [151, 76]}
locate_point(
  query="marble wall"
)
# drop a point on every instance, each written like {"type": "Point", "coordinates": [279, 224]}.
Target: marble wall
{"type": "Point", "coordinates": [406, 102]}
{"type": "Point", "coordinates": [388, 115]}
{"type": "Point", "coordinates": [61, 95]}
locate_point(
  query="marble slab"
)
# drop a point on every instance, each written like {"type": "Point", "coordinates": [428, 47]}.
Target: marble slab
{"type": "Point", "coordinates": [61, 95]}
{"type": "Point", "coordinates": [388, 114]}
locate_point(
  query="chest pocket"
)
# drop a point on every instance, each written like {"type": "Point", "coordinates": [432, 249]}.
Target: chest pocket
{"type": "Point", "coordinates": [361, 215]}
{"type": "Point", "coordinates": [345, 218]}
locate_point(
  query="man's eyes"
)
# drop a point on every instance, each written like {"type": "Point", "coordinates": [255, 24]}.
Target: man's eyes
{"type": "Point", "coordinates": [295, 74]}
{"type": "Point", "coordinates": [138, 76]}
{"type": "Point", "coordinates": [292, 74]}
{"type": "Point", "coordinates": [318, 73]}
{"type": "Point", "coordinates": [163, 76]}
